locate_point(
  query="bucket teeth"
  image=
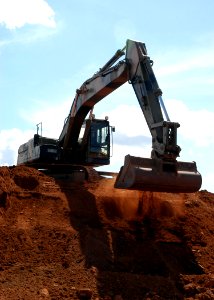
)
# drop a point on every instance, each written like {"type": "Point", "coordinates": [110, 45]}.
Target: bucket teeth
{"type": "Point", "coordinates": [148, 174]}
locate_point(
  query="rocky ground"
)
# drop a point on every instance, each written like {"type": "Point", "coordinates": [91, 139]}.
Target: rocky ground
{"type": "Point", "coordinates": [63, 240]}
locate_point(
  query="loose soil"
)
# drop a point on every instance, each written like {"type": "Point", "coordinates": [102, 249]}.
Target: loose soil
{"type": "Point", "coordinates": [67, 240]}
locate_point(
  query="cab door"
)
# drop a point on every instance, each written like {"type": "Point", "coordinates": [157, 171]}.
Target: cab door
{"type": "Point", "coordinates": [99, 143]}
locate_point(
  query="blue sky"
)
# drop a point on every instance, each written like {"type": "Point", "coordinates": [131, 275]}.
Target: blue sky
{"type": "Point", "coordinates": [49, 48]}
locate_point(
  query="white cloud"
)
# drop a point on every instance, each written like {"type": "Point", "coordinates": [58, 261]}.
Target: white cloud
{"type": "Point", "coordinates": [177, 61]}
{"type": "Point", "coordinates": [128, 120]}
{"type": "Point", "coordinates": [10, 140]}
{"type": "Point", "coordinates": [52, 117]}
{"type": "Point", "coordinates": [195, 61]}
{"type": "Point", "coordinates": [196, 125]}
{"type": "Point", "coordinates": [29, 36]}
{"type": "Point", "coordinates": [17, 13]}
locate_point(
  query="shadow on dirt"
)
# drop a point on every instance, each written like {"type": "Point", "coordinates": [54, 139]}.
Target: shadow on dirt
{"type": "Point", "coordinates": [123, 256]}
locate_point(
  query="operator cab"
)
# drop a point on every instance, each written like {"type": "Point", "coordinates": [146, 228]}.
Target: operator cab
{"type": "Point", "coordinates": [97, 140]}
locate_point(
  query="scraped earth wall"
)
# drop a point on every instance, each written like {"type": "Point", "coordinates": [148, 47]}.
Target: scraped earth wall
{"type": "Point", "coordinates": [63, 240]}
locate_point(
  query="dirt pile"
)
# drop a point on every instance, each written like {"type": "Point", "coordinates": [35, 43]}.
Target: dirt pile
{"type": "Point", "coordinates": [63, 240]}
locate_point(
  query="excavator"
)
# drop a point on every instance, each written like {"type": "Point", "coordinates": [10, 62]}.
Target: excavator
{"type": "Point", "coordinates": [86, 141]}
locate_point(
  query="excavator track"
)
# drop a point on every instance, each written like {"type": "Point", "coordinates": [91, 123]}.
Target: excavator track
{"type": "Point", "coordinates": [76, 173]}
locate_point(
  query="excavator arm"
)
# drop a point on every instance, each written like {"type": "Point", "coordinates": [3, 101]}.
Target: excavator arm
{"type": "Point", "coordinates": [149, 95]}
{"type": "Point", "coordinates": [162, 172]}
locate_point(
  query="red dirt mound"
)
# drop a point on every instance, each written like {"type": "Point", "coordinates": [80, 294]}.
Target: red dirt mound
{"type": "Point", "coordinates": [63, 240]}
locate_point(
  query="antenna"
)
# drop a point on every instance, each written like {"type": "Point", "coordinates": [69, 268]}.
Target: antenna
{"type": "Point", "coordinates": [39, 126]}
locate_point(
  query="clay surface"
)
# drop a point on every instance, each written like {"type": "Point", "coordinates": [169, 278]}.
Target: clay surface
{"type": "Point", "coordinates": [64, 240]}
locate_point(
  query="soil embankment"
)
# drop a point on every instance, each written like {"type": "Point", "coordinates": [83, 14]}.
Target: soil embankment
{"type": "Point", "coordinates": [63, 240]}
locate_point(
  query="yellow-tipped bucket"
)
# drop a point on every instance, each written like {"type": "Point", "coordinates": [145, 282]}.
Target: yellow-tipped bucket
{"type": "Point", "coordinates": [147, 174]}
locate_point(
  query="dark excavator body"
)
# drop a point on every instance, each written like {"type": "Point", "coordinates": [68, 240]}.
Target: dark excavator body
{"type": "Point", "coordinates": [162, 172]}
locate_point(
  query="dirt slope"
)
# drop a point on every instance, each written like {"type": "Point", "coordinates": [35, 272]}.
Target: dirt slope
{"type": "Point", "coordinates": [61, 240]}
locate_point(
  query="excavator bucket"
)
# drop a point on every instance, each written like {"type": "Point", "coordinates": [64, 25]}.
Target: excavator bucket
{"type": "Point", "coordinates": [147, 174]}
